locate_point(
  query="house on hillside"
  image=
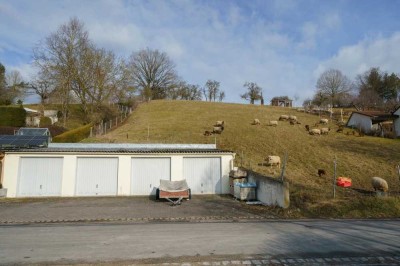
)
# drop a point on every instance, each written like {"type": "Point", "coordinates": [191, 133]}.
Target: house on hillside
{"type": "Point", "coordinates": [375, 121]}
{"type": "Point", "coordinates": [33, 117]}
{"type": "Point", "coordinates": [282, 101]}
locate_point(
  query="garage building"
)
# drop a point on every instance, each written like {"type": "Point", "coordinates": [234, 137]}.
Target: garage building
{"type": "Point", "coordinates": [77, 169]}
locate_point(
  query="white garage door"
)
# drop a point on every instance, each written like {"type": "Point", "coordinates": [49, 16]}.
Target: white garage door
{"type": "Point", "coordinates": [40, 177]}
{"type": "Point", "coordinates": [97, 177]}
{"type": "Point", "coordinates": [146, 174]}
{"type": "Point", "coordinates": [203, 175]}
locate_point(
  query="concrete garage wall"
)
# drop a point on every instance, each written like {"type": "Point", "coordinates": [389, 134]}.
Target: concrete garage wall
{"type": "Point", "coordinates": [270, 191]}
{"type": "Point", "coordinates": [12, 163]}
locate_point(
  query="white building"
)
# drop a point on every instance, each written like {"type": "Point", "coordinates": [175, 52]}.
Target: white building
{"type": "Point", "coordinates": [76, 169]}
{"type": "Point", "coordinates": [369, 121]}
{"type": "Point", "coordinates": [33, 117]}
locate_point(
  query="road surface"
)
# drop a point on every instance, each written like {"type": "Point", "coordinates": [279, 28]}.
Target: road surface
{"type": "Point", "coordinates": [73, 243]}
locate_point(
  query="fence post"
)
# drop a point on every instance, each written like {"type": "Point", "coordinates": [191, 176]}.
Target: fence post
{"type": "Point", "coordinates": [334, 177]}
{"type": "Point", "coordinates": [91, 131]}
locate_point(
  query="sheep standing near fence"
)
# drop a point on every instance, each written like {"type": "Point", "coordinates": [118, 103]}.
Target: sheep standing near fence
{"type": "Point", "coordinates": [379, 184]}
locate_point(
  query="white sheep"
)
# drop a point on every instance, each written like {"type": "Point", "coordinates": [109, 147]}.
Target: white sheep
{"type": "Point", "coordinates": [325, 130]}
{"type": "Point", "coordinates": [256, 122]}
{"type": "Point", "coordinates": [292, 118]}
{"type": "Point", "coordinates": [379, 184]}
{"type": "Point", "coordinates": [323, 121]}
{"type": "Point", "coordinates": [283, 117]}
{"type": "Point", "coordinates": [273, 160]}
{"type": "Point", "coordinates": [315, 131]}
{"type": "Point", "coordinates": [273, 123]}
{"type": "Point", "coordinates": [219, 123]}
{"type": "Point", "coordinates": [217, 130]}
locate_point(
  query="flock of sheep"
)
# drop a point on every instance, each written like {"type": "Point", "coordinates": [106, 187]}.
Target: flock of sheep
{"type": "Point", "coordinates": [378, 183]}
{"type": "Point", "coordinates": [217, 129]}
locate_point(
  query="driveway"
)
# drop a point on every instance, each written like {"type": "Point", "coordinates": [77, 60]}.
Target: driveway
{"type": "Point", "coordinates": [132, 209]}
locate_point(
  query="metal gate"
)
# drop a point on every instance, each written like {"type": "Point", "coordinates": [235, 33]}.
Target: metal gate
{"type": "Point", "coordinates": [40, 176]}
{"type": "Point", "coordinates": [203, 175]}
{"type": "Point", "coordinates": [96, 176]}
{"type": "Point", "coordinates": [146, 174]}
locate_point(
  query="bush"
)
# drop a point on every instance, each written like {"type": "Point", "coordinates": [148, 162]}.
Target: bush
{"type": "Point", "coordinates": [12, 116]}
{"type": "Point", "coordinates": [74, 135]}
{"type": "Point", "coordinates": [45, 121]}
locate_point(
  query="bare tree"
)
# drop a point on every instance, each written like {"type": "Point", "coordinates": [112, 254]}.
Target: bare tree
{"type": "Point", "coordinates": [58, 55]}
{"type": "Point", "coordinates": [212, 89]}
{"type": "Point", "coordinates": [332, 84]}
{"type": "Point", "coordinates": [153, 73]}
{"type": "Point", "coordinates": [253, 92]}
{"type": "Point", "coordinates": [221, 96]}
{"type": "Point", "coordinates": [42, 87]}
{"type": "Point", "coordinates": [15, 84]}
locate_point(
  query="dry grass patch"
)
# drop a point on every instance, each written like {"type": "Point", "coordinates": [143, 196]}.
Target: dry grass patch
{"type": "Point", "coordinates": [359, 158]}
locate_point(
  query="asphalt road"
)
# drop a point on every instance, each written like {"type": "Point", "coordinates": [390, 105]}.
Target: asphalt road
{"type": "Point", "coordinates": [70, 243]}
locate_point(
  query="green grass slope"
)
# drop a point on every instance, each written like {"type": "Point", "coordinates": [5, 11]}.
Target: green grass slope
{"type": "Point", "coordinates": [359, 158]}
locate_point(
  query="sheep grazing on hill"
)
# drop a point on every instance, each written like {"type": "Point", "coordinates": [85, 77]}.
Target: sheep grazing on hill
{"type": "Point", "coordinates": [256, 122]}
{"type": "Point", "coordinates": [207, 133]}
{"type": "Point", "coordinates": [307, 127]}
{"type": "Point", "coordinates": [219, 124]}
{"type": "Point", "coordinates": [315, 131]}
{"type": "Point", "coordinates": [273, 160]}
{"type": "Point", "coordinates": [292, 118]}
{"type": "Point", "coordinates": [379, 184]}
{"type": "Point", "coordinates": [323, 121]}
{"type": "Point", "coordinates": [283, 117]}
{"type": "Point", "coordinates": [321, 172]}
{"type": "Point", "coordinates": [218, 130]}
{"type": "Point", "coordinates": [273, 123]}
{"type": "Point", "coordinates": [325, 130]}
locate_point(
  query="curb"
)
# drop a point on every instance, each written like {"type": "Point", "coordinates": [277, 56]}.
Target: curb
{"type": "Point", "coordinates": [198, 219]}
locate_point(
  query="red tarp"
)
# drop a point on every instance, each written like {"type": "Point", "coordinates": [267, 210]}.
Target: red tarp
{"type": "Point", "coordinates": [343, 182]}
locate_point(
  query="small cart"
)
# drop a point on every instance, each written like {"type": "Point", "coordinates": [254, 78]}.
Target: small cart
{"type": "Point", "coordinates": [173, 191]}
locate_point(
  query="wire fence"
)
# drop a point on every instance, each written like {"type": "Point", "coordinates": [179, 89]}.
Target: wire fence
{"type": "Point", "coordinates": [106, 126]}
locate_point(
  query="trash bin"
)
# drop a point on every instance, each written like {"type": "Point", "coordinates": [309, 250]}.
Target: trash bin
{"type": "Point", "coordinates": [245, 191]}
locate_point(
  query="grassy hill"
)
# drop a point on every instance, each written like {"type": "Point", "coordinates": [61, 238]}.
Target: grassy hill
{"type": "Point", "coordinates": [357, 157]}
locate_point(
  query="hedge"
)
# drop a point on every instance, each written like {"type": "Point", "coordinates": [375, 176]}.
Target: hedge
{"type": "Point", "coordinates": [74, 135]}
{"type": "Point", "coordinates": [45, 121]}
{"type": "Point", "coordinates": [12, 116]}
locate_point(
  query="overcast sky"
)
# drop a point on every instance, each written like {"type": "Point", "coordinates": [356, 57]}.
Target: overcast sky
{"type": "Point", "coordinates": [282, 45]}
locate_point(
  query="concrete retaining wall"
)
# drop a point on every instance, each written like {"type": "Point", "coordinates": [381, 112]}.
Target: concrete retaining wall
{"type": "Point", "coordinates": [269, 190]}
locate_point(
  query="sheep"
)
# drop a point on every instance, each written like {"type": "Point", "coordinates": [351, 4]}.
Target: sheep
{"type": "Point", "coordinates": [273, 160]}
{"type": "Point", "coordinates": [283, 117]}
{"type": "Point", "coordinates": [379, 184]}
{"type": "Point", "coordinates": [219, 123]}
{"type": "Point", "coordinates": [218, 130]}
{"type": "Point", "coordinates": [273, 123]}
{"type": "Point", "coordinates": [307, 127]}
{"type": "Point", "coordinates": [292, 118]}
{"type": "Point", "coordinates": [207, 133]}
{"type": "Point", "coordinates": [315, 131]}
{"type": "Point", "coordinates": [256, 122]}
{"type": "Point", "coordinates": [323, 121]}
{"type": "Point", "coordinates": [321, 172]}
{"type": "Point", "coordinates": [325, 130]}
